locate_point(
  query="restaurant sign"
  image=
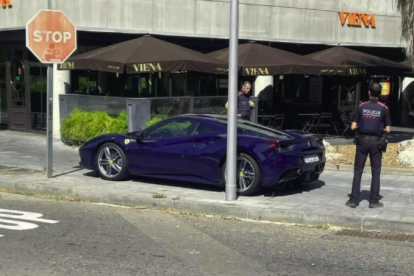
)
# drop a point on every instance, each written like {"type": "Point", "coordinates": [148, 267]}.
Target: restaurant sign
{"type": "Point", "coordinates": [6, 3]}
{"type": "Point", "coordinates": [357, 19]}
{"type": "Point", "coordinates": [66, 65]}
{"type": "Point", "coordinates": [255, 71]}
{"type": "Point", "coordinates": [147, 67]}
{"type": "Point", "coordinates": [357, 71]}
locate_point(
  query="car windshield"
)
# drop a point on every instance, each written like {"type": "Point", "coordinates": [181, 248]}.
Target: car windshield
{"type": "Point", "coordinates": [256, 129]}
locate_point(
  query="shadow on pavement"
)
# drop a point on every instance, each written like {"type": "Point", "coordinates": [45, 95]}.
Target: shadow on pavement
{"type": "Point", "coordinates": [218, 189]}
{"type": "Point", "coordinates": [166, 182]}
{"type": "Point", "coordinates": [75, 169]}
{"type": "Point", "coordinates": [296, 189]}
{"type": "Point", "coordinates": [365, 195]}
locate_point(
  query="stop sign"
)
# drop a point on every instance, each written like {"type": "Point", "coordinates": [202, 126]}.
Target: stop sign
{"type": "Point", "coordinates": [51, 36]}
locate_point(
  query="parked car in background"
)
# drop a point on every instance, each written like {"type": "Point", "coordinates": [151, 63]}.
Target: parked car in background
{"type": "Point", "coordinates": [192, 148]}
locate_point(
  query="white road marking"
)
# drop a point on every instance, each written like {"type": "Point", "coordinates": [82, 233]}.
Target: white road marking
{"type": "Point", "coordinates": [24, 216]}
{"type": "Point", "coordinates": [18, 225]}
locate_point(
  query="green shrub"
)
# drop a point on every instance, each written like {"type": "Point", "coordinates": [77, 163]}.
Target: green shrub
{"type": "Point", "coordinates": [118, 124]}
{"type": "Point", "coordinates": [156, 119]}
{"type": "Point", "coordinates": [81, 126]}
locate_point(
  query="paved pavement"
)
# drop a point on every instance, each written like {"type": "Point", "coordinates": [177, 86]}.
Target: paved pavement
{"type": "Point", "coordinates": [321, 202]}
{"type": "Point", "coordinates": [29, 151]}
{"type": "Point", "coordinates": [87, 239]}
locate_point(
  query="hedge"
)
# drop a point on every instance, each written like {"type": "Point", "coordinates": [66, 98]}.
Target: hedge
{"type": "Point", "coordinates": [81, 126]}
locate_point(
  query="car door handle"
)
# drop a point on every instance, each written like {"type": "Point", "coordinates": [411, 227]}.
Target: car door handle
{"type": "Point", "coordinates": [211, 140]}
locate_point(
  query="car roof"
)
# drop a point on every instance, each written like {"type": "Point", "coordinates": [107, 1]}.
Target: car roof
{"type": "Point", "coordinates": [212, 117]}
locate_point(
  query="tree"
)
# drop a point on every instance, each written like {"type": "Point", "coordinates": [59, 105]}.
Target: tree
{"type": "Point", "coordinates": [406, 7]}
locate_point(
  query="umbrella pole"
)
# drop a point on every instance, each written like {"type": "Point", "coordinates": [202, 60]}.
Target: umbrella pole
{"type": "Point", "coordinates": [231, 162]}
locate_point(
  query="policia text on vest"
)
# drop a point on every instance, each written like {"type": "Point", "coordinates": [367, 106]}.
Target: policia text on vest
{"type": "Point", "coordinates": [372, 123]}
{"type": "Point", "coordinates": [244, 104]}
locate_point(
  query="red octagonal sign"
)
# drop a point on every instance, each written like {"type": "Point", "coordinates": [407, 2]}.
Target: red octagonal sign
{"type": "Point", "coordinates": [51, 36]}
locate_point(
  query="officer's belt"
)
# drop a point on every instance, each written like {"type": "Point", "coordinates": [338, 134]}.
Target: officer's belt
{"type": "Point", "coordinates": [377, 138]}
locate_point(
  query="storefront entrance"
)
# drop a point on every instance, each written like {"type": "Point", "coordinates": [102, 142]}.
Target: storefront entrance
{"type": "Point", "coordinates": [27, 85]}
{"type": "Point", "coordinates": [349, 92]}
{"type": "Point", "coordinates": [3, 95]}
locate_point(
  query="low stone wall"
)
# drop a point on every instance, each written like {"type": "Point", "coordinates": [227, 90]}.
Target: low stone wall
{"type": "Point", "coordinates": [399, 155]}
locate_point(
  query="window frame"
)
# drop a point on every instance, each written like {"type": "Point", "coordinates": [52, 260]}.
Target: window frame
{"type": "Point", "coordinates": [160, 125]}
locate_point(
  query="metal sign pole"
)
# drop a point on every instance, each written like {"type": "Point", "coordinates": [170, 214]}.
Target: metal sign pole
{"type": "Point", "coordinates": [231, 166]}
{"type": "Point", "coordinates": [49, 156]}
{"type": "Point", "coordinates": [49, 131]}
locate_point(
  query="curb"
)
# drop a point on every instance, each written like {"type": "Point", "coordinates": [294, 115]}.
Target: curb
{"type": "Point", "coordinates": [221, 209]}
{"type": "Point", "coordinates": [384, 170]}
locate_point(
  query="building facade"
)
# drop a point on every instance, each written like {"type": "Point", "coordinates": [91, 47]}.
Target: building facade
{"type": "Point", "coordinates": [373, 26]}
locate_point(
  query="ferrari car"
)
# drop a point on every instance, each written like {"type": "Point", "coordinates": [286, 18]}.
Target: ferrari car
{"type": "Point", "coordinates": [192, 148]}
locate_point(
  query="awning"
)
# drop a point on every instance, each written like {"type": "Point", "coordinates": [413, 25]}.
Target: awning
{"type": "Point", "coordinates": [358, 63]}
{"type": "Point", "coordinates": [256, 59]}
{"type": "Point", "coordinates": [144, 55]}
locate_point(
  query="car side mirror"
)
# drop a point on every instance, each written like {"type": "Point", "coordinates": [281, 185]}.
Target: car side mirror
{"type": "Point", "coordinates": [139, 137]}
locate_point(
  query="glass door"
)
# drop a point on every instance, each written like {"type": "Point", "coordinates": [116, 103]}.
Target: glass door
{"type": "Point", "coordinates": [348, 95]}
{"type": "Point", "coordinates": [18, 118]}
{"type": "Point", "coordinates": [38, 92]}
{"type": "Point", "coordinates": [3, 95]}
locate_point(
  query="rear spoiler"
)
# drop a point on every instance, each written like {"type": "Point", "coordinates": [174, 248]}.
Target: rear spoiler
{"type": "Point", "coordinates": [307, 135]}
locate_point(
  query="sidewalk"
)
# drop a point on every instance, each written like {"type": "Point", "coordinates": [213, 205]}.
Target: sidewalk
{"type": "Point", "coordinates": [320, 203]}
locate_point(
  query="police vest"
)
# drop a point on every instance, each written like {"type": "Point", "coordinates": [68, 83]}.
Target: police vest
{"type": "Point", "coordinates": [243, 106]}
{"type": "Point", "coordinates": [372, 118]}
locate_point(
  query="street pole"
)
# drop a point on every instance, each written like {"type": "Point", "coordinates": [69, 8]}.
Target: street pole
{"type": "Point", "coordinates": [49, 130]}
{"type": "Point", "coordinates": [231, 162]}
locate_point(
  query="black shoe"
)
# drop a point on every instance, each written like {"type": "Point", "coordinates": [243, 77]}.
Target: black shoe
{"type": "Point", "coordinates": [374, 205]}
{"type": "Point", "coordinates": [351, 203]}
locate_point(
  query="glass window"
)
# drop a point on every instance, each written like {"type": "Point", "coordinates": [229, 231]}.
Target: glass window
{"type": "Point", "coordinates": [179, 84]}
{"type": "Point", "coordinates": [172, 129]}
{"type": "Point", "coordinates": [38, 101]}
{"type": "Point", "coordinates": [253, 129]}
{"type": "Point", "coordinates": [3, 94]}
{"type": "Point", "coordinates": [203, 129]}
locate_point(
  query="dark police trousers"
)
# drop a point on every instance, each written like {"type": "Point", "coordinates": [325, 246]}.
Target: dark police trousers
{"type": "Point", "coordinates": [367, 145]}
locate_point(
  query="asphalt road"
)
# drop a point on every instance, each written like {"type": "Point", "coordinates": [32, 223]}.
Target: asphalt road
{"type": "Point", "coordinates": [87, 239]}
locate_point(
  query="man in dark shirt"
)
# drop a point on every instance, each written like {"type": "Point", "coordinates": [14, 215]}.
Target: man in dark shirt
{"type": "Point", "coordinates": [373, 123]}
{"type": "Point", "coordinates": [244, 104]}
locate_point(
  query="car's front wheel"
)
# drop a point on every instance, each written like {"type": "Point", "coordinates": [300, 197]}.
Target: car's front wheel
{"type": "Point", "coordinates": [111, 163]}
{"type": "Point", "coordinates": [249, 176]}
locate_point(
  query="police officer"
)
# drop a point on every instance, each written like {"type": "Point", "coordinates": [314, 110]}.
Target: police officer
{"type": "Point", "coordinates": [244, 104]}
{"type": "Point", "coordinates": [373, 123]}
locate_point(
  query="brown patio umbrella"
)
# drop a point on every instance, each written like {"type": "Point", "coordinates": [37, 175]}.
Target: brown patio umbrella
{"type": "Point", "coordinates": [143, 55]}
{"type": "Point", "coordinates": [359, 63]}
{"type": "Point", "coordinates": [257, 59]}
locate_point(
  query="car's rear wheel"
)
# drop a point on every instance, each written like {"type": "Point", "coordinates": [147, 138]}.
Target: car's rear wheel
{"type": "Point", "coordinates": [249, 176]}
{"type": "Point", "coordinates": [111, 163]}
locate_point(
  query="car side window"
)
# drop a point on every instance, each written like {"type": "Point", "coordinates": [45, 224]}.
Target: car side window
{"type": "Point", "coordinates": [203, 129]}
{"type": "Point", "coordinates": [172, 129]}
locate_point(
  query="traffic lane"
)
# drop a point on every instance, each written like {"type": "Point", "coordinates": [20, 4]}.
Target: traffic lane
{"type": "Point", "coordinates": [97, 240]}
{"type": "Point", "coordinates": [87, 240]}
{"type": "Point", "coordinates": [291, 250]}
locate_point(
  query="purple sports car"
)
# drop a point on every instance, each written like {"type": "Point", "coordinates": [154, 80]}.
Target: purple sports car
{"type": "Point", "coordinates": [193, 148]}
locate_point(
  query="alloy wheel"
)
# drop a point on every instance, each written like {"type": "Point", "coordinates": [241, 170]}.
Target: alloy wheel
{"type": "Point", "coordinates": [245, 174]}
{"type": "Point", "coordinates": [110, 162]}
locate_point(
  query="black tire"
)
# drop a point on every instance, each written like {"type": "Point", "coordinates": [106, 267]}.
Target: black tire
{"type": "Point", "coordinates": [254, 187]}
{"type": "Point", "coordinates": [123, 174]}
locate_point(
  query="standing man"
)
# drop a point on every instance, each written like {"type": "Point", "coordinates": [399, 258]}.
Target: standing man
{"type": "Point", "coordinates": [373, 124]}
{"type": "Point", "coordinates": [244, 104]}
